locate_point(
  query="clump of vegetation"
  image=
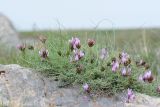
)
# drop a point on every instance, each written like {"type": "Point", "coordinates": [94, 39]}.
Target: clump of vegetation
{"type": "Point", "coordinates": [97, 67]}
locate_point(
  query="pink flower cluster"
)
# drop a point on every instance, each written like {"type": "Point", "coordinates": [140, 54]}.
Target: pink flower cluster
{"type": "Point", "coordinates": [130, 96]}
{"type": "Point", "coordinates": [124, 57]}
{"type": "Point", "coordinates": [126, 71]}
{"type": "Point", "coordinates": [115, 65]}
{"type": "Point", "coordinates": [86, 88]}
{"type": "Point", "coordinates": [75, 46]}
{"type": "Point", "coordinates": [147, 77]}
{"type": "Point", "coordinates": [78, 55]}
{"type": "Point", "coordinates": [124, 60]}
{"type": "Point", "coordinates": [74, 43]}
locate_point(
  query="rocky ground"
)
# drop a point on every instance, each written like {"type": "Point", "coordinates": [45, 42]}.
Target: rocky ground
{"type": "Point", "coordinates": [23, 87]}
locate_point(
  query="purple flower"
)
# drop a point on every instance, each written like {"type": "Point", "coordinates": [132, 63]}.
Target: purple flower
{"type": "Point", "coordinates": [147, 77]}
{"type": "Point", "coordinates": [103, 53]}
{"type": "Point", "coordinates": [115, 66]}
{"type": "Point", "coordinates": [21, 47]}
{"type": "Point", "coordinates": [126, 71]}
{"type": "Point", "coordinates": [74, 43]}
{"type": "Point", "coordinates": [86, 88]}
{"type": "Point", "coordinates": [44, 54]}
{"type": "Point", "coordinates": [76, 58]}
{"type": "Point", "coordinates": [78, 55]}
{"type": "Point", "coordinates": [124, 57]}
{"type": "Point", "coordinates": [130, 96]}
{"type": "Point", "coordinates": [81, 54]}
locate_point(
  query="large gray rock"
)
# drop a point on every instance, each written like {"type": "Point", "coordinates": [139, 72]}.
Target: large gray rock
{"type": "Point", "coordinates": [8, 34]}
{"type": "Point", "coordinates": [22, 87]}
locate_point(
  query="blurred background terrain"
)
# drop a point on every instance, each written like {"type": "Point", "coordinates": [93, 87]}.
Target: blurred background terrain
{"type": "Point", "coordinates": [132, 26]}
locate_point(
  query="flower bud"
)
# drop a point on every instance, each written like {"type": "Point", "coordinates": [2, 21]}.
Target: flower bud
{"type": "Point", "coordinates": [91, 42]}
{"type": "Point", "coordinates": [21, 47]}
